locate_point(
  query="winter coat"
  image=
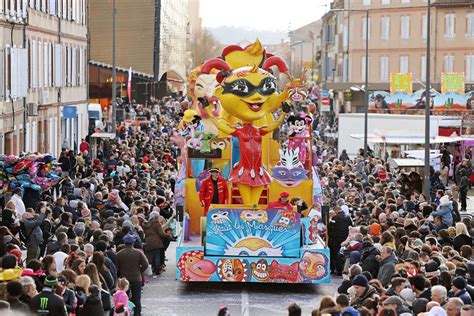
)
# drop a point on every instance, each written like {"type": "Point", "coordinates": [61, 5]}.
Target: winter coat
{"type": "Point", "coordinates": [70, 300]}
{"type": "Point", "coordinates": [350, 311]}
{"type": "Point", "coordinates": [461, 240]}
{"type": "Point", "coordinates": [8, 218]}
{"type": "Point", "coordinates": [92, 306]}
{"type": "Point", "coordinates": [33, 230]}
{"type": "Point", "coordinates": [368, 260]}
{"type": "Point", "coordinates": [369, 293]}
{"type": "Point", "coordinates": [464, 296]}
{"type": "Point", "coordinates": [338, 227]}
{"type": "Point", "coordinates": [387, 269]}
{"type": "Point", "coordinates": [445, 211]}
{"type": "Point", "coordinates": [54, 304]}
{"type": "Point", "coordinates": [154, 235]}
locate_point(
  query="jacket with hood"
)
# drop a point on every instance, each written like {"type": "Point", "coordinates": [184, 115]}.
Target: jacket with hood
{"type": "Point", "coordinates": [350, 311]}
{"type": "Point", "coordinates": [445, 212]}
{"type": "Point", "coordinates": [387, 269]}
{"type": "Point", "coordinates": [33, 230]}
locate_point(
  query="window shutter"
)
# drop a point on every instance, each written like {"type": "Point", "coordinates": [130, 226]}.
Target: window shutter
{"type": "Point", "coordinates": [14, 73]}
{"type": "Point", "coordinates": [57, 65]}
{"type": "Point", "coordinates": [24, 8]}
{"type": "Point", "coordinates": [45, 64]}
{"type": "Point", "coordinates": [2, 88]}
{"type": "Point", "coordinates": [12, 8]}
{"type": "Point", "coordinates": [34, 70]}
{"type": "Point", "coordinates": [23, 74]}
{"type": "Point", "coordinates": [73, 67]}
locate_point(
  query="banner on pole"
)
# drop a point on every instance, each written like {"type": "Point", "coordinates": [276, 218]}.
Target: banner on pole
{"type": "Point", "coordinates": [400, 82]}
{"type": "Point", "coordinates": [452, 82]}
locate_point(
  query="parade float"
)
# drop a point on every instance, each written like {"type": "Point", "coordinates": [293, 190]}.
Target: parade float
{"type": "Point", "coordinates": [230, 126]}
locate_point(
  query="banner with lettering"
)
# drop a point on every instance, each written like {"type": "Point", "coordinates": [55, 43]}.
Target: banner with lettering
{"type": "Point", "coordinates": [452, 82]}
{"type": "Point", "coordinates": [400, 82]}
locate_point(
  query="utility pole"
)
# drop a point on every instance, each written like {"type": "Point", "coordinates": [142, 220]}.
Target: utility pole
{"type": "Point", "coordinates": [366, 86]}
{"type": "Point", "coordinates": [114, 74]}
{"type": "Point", "coordinates": [426, 180]}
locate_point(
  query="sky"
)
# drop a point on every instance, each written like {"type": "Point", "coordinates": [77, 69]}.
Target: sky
{"type": "Point", "coordinates": [262, 14]}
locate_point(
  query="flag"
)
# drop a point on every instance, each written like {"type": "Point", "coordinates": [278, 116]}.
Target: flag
{"type": "Point", "coordinates": [129, 85]}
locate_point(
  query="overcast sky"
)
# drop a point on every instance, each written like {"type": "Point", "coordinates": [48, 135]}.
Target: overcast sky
{"type": "Point", "coordinates": [262, 14]}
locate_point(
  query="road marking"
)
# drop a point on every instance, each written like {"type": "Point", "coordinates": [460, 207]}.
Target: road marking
{"type": "Point", "coordinates": [245, 303]}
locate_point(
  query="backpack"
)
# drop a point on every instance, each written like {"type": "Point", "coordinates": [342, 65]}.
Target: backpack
{"type": "Point", "coordinates": [22, 232]}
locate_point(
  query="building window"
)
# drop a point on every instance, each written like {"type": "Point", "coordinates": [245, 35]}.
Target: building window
{"type": "Point", "coordinates": [404, 64]}
{"type": "Point", "coordinates": [384, 68]}
{"type": "Point", "coordinates": [366, 2]}
{"type": "Point", "coordinates": [405, 27]}
{"type": "Point", "coordinates": [470, 68]}
{"type": "Point", "coordinates": [405, 1]}
{"type": "Point", "coordinates": [364, 24]}
{"type": "Point", "coordinates": [424, 26]}
{"type": "Point", "coordinates": [385, 32]}
{"type": "Point", "coordinates": [385, 1]}
{"type": "Point", "coordinates": [423, 67]}
{"type": "Point", "coordinates": [449, 25]}
{"type": "Point", "coordinates": [448, 63]}
{"type": "Point", "coordinates": [470, 25]}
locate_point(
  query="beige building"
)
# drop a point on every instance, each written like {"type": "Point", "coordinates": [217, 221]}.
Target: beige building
{"type": "Point", "coordinates": [193, 32]}
{"type": "Point", "coordinates": [397, 43]}
{"type": "Point", "coordinates": [305, 43]}
{"type": "Point", "coordinates": [43, 82]}
{"type": "Point", "coordinates": [150, 38]}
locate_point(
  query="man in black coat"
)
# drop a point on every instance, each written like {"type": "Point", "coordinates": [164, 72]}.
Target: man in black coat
{"type": "Point", "coordinates": [47, 302]}
{"type": "Point", "coordinates": [338, 230]}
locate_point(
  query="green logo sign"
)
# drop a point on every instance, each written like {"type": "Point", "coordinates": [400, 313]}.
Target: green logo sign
{"type": "Point", "coordinates": [43, 302]}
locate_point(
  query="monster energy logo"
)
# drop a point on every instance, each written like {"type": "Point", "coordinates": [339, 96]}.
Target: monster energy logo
{"type": "Point", "coordinates": [43, 302]}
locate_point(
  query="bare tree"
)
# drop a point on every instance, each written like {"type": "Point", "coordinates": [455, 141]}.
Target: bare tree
{"type": "Point", "coordinates": [207, 46]}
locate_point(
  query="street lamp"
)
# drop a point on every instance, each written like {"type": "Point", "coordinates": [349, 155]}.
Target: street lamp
{"type": "Point", "coordinates": [366, 84]}
{"type": "Point", "coordinates": [426, 180]}
{"type": "Point", "coordinates": [114, 73]}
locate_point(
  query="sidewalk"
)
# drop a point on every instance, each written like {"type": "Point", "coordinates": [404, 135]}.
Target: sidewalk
{"type": "Point", "coordinates": [470, 202]}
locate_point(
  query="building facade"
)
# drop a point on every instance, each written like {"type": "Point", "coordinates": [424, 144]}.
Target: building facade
{"type": "Point", "coordinates": [150, 38]}
{"type": "Point", "coordinates": [397, 43]}
{"type": "Point", "coordinates": [44, 75]}
{"type": "Point", "coordinates": [305, 43]}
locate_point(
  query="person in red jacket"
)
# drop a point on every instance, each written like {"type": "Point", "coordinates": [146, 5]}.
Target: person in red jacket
{"type": "Point", "coordinates": [282, 203]}
{"type": "Point", "coordinates": [213, 190]}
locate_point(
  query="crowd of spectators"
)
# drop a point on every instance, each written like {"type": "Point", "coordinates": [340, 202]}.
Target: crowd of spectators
{"type": "Point", "coordinates": [89, 245]}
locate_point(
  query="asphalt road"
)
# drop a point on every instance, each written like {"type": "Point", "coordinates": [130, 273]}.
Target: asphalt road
{"type": "Point", "coordinates": [166, 296]}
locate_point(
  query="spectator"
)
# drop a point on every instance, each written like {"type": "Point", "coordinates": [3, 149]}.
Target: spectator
{"type": "Point", "coordinates": [47, 302]}
{"type": "Point", "coordinates": [294, 310]}
{"type": "Point", "coordinates": [131, 265]}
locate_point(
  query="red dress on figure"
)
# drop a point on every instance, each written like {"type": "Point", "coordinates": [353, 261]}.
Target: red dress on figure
{"type": "Point", "coordinates": [249, 170]}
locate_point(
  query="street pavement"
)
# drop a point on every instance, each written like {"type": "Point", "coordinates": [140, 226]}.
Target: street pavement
{"type": "Point", "coordinates": [165, 295]}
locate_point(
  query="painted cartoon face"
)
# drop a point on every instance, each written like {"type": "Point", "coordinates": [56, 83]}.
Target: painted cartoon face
{"type": "Point", "coordinates": [260, 216]}
{"type": "Point", "coordinates": [232, 270]}
{"type": "Point", "coordinates": [204, 88]}
{"type": "Point", "coordinates": [253, 247]}
{"type": "Point", "coordinates": [220, 217]}
{"type": "Point", "coordinates": [289, 171]}
{"type": "Point", "coordinates": [259, 270]}
{"type": "Point", "coordinates": [283, 273]}
{"type": "Point", "coordinates": [313, 265]}
{"type": "Point", "coordinates": [218, 144]}
{"type": "Point", "coordinates": [249, 93]}
{"type": "Point", "coordinates": [193, 267]}
{"type": "Point", "coordinates": [287, 219]}
{"type": "Point", "coordinates": [297, 92]}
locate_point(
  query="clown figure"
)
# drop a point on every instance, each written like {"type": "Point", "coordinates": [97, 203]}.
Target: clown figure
{"type": "Point", "coordinates": [249, 94]}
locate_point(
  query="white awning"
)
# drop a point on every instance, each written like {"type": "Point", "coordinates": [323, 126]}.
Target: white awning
{"type": "Point", "coordinates": [371, 138]}
{"type": "Point", "coordinates": [405, 162]}
{"type": "Point", "coordinates": [103, 135]}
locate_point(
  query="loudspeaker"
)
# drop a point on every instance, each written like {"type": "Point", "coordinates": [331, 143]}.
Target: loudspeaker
{"type": "Point", "coordinates": [179, 213]}
{"type": "Point", "coordinates": [119, 115]}
{"type": "Point", "coordinates": [325, 213]}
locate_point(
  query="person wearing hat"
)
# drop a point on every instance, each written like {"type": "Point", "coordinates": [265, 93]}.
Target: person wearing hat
{"type": "Point", "coordinates": [363, 291]}
{"type": "Point", "coordinates": [458, 289]}
{"type": "Point", "coordinates": [214, 190]}
{"type": "Point", "coordinates": [47, 302]}
{"type": "Point", "coordinates": [396, 303]}
{"type": "Point", "coordinates": [131, 264]}
{"type": "Point", "coordinates": [445, 210]}
{"type": "Point", "coordinates": [282, 203]}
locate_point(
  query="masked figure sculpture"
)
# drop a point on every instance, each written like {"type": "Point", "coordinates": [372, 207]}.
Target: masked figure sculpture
{"type": "Point", "coordinates": [249, 94]}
